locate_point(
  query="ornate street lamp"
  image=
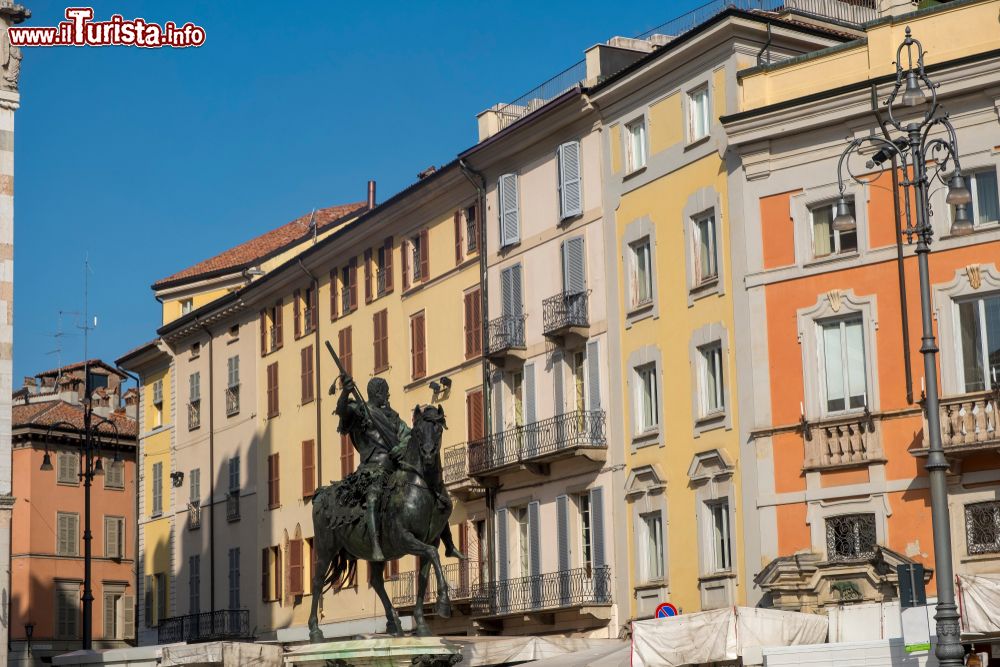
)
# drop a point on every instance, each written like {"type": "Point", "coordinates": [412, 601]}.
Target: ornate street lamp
{"type": "Point", "coordinates": [922, 160]}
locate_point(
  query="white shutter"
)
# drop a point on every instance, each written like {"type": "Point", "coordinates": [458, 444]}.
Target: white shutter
{"type": "Point", "coordinates": [570, 186]}
{"type": "Point", "coordinates": [530, 417]}
{"type": "Point", "coordinates": [127, 617]}
{"type": "Point", "coordinates": [110, 616]}
{"type": "Point", "coordinates": [515, 290]}
{"type": "Point", "coordinates": [510, 225]}
{"type": "Point", "coordinates": [535, 552]}
{"type": "Point", "coordinates": [562, 547]}
{"type": "Point", "coordinates": [574, 275]}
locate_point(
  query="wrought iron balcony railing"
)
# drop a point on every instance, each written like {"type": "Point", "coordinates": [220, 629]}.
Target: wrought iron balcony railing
{"type": "Point", "coordinates": [308, 321]}
{"type": "Point", "coordinates": [455, 471]}
{"type": "Point", "coordinates": [522, 444]}
{"type": "Point", "coordinates": [843, 441]}
{"type": "Point", "coordinates": [273, 339]}
{"type": "Point", "coordinates": [579, 587]}
{"type": "Point", "coordinates": [505, 333]}
{"type": "Point", "coordinates": [461, 577]}
{"type": "Point", "coordinates": [381, 281]}
{"type": "Point", "coordinates": [233, 506]}
{"type": "Point", "coordinates": [207, 626]}
{"type": "Point", "coordinates": [194, 414]}
{"type": "Point", "coordinates": [232, 400]}
{"type": "Point", "coordinates": [563, 311]}
{"type": "Point", "coordinates": [345, 300]}
{"type": "Point", "coordinates": [970, 421]}
{"type": "Point", "coordinates": [194, 516]}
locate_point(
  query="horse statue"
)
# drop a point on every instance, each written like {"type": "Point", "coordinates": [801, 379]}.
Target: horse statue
{"type": "Point", "coordinates": [411, 520]}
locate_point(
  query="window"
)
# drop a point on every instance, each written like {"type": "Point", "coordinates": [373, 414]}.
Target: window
{"type": "Point", "coordinates": [510, 222]}
{"type": "Point", "coordinates": [114, 613]}
{"type": "Point", "coordinates": [346, 455]}
{"type": "Point", "coordinates": [233, 386]}
{"type": "Point", "coordinates": [635, 145]}
{"type": "Point", "coordinates": [67, 611]}
{"type": "Point", "coordinates": [295, 567]}
{"type": "Point", "coordinates": [187, 305]}
{"type": "Point", "coordinates": [586, 545]}
{"type": "Point", "coordinates": [473, 323]}
{"type": "Point", "coordinates": [850, 536]}
{"type": "Point", "coordinates": [234, 578]}
{"type": "Point", "coordinates": [194, 584]}
{"type": "Point", "coordinates": [476, 427]}
{"type": "Point", "coordinates": [114, 474]}
{"type": "Point", "coordinates": [517, 396]}
{"type": "Point", "coordinates": [271, 336]}
{"type": "Point", "coordinates": [272, 390]}
{"type": "Point", "coordinates": [982, 528]}
{"type": "Point", "coordinates": [827, 240]}
{"type": "Point", "coordinates": [642, 273]}
{"type": "Point", "coordinates": [308, 468]}
{"type": "Point", "coordinates": [699, 120]}
{"type": "Point", "coordinates": [194, 483]}
{"type": "Point", "coordinates": [384, 275]}
{"type": "Point", "coordinates": [67, 534]}
{"type": "Point", "coordinates": [843, 355]}
{"type": "Point", "coordinates": [979, 338]}
{"type": "Point", "coordinates": [309, 310]}
{"type": "Point", "coordinates": [579, 392]}
{"type": "Point", "coordinates": [367, 261]}
{"type": "Point", "coordinates": [157, 489]}
{"type": "Point", "coordinates": [307, 377]}
{"type": "Point", "coordinates": [273, 482]}
{"type": "Point", "coordinates": [418, 347]}
{"type": "Point", "coordinates": [194, 400]}
{"type": "Point", "coordinates": [712, 383]}
{"type": "Point", "coordinates": [416, 252]}
{"type": "Point", "coordinates": [234, 475]}
{"type": "Point", "coordinates": [652, 539]}
{"type": "Point", "coordinates": [114, 537]}
{"type": "Point", "coordinates": [157, 403]}
{"type": "Point", "coordinates": [985, 206]}
{"type": "Point", "coordinates": [195, 350]}
{"type": "Point", "coordinates": [570, 185]}
{"type": "Point", "coordinates": [520, 515]}
{"type": "Point", "coordinates": [705, 253]}
{"type": "Point", "coordinates": [721, 537]}
{"type": "Point", "coordinates": [472, 230]}
{"type": "Point", "coordinates": [345, 290]}
{"type": "Point", "coordinates": [381, 340]}
{"type": "Point", "coordinates": [69, 468]}
{"type": "Point", "coordinates": [344, 348]}
{"type": "Point", "coordinates": [647, 401]}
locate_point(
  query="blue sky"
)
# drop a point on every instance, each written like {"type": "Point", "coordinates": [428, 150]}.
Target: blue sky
{"type": "Point", "coordinates": [150, 160]}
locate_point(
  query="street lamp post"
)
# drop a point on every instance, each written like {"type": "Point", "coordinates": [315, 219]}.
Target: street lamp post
{"type": "Point", "coordinates": [914, 112]}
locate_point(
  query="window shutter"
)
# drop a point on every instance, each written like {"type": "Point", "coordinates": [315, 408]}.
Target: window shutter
{"type": "Point", "coordinates": [277, 479]}
{"type": "Point", "coordinates": [425, 253]}
{"type": "Point", "coordinates": [354, 282]}
{"type": "Point", "coordinates": [474, 410]}
{"type": "Point", "coordinates": [502, 565]}
{"type": "Point", "coordinates": [562, 546]}
{"type": "Point", "coordinates": [303, 377]}
{"type": "Point", "coordinates": [405, 251]}
{"type": "Point", "coordinates": [148, 600]}
{"type": "Point", "coordinates": [308, 468]}
{"type": "Point", "coordinates": [295, 567]}
{"type": "Point", "coordinates": [385, 339]}
{"type": "Point", "coordinates": [278, 324]}
{"type": "Point", "coordinates": [344, 343]}
{"type": "Point", "coordinates": [506, 292]}
{"type": "Point", "coordinates": [333, 294]}
{"type": "Point", "coordinates": [574, 277]}
{"type": "Point", "coordinates": [510, 232]}
{"type": "Point", "coordinates": [418, 355]}
{"type": "Point", "coordinates": [111, 538]}
{"type": "Point", "coordinates": [557, 381]}
{"type": "Point", "coordinates": [570, 192]}
{"type": "Point", "coordinates": [516, 298]}
{"type": "Point", "coordinates": [265, 574]}
{"type": "Point", "coordinates": [314, 306]}
{"type": "Point", "coordinates": [279, 575]}
{"type": "Point", "coordinates": [377, 326]}
{"type": "Point", "coordinates": [109, 616]}
{"type": "Point", "coordinates": [531, 437]}
{"type": "Point", "coordinates": [263, 333]}
{"type": "Point", "coordinates": [496, 397]}
{"type": "Point", "coordinates": [368, 275]}
{"type": "Point", "coordinates": [128, 617]}
{"type": "Point", "coordinates": [458, 237]}
{"type": "Point", "coordinates": [601, 591]}
{"type": "Point", "coordinates": [297, 313]}
{"type": "Point", "coordinates": [469, 325]}
{"type": "Point", "coordinates": [594, 374]}
{"type": "Point", "coordinates": [387, 267]}
{"type": "Point", "coordinates": [477, 322]}
{"type": "Point", "coordinates": [534, 540]}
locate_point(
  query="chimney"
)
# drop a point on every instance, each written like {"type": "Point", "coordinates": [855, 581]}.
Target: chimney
{"type": "Point", "coordinates": [426, 172]}
{"type": "Point", "coordinates": [131, 398]}
{"type": "Point", "coordinates": [616, 54]}
{"type": "Point", "coordinates": [68, 391]}
{"type": "Point", "coordinates": [30, 384]}
{"type": "Point", "coordinates": [371, 194]}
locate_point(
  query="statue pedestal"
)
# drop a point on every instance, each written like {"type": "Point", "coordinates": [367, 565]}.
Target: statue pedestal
{"type": "Point", "coordinates": [381, 652]}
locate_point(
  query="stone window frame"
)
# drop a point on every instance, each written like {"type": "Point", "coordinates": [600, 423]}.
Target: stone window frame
{"type": "Point", "coordinates": [957, 503]}
{"type": "Point", "coordinates": [646, 493]}
{"type": "Point", "coordinates": [625, 137]}
{"type": "Point", "coordinates": [706, 335]}
{"type": "Point", "coordinates": [800, 206]}
{"type": "Point", "coordinates": [636, 231]}
{"type": "Point", "coordinates": [649, 354]}
{"type": "Point", "coordinates": [703, 201]}
{"type": "Point", "coordinates": [945, 302]}
{"type": "Point", "coordinates": [817, 512]}
{"type": "Point", "coordinates": [836, 304]}
{"type": "Point", "coordinates": [711, 475]}
{"type": "Point", "coordinates": [703, 81]}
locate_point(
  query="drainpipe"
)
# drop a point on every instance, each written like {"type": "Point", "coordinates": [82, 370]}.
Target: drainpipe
{"type": "Point", "coordinates": [478, 180]}
{"type": "Point", "coordinates": [317, 384]}
{"type": "Point", "coordinates": [211, 466]}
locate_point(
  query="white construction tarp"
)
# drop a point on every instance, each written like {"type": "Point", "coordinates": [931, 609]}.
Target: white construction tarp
{"type": "Point", "coordinates": [720, 635]}
{"type": "Point", "coordinates": [980, 603]}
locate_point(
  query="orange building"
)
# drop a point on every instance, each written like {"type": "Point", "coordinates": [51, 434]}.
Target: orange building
{"type": "Point", "coordinates": [835, 423]}
{"type": "Point", "coordinates": [47, 566]}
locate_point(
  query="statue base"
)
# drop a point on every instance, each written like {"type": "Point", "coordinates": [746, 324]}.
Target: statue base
{"type": "Point", "coordinates": [380, 652]}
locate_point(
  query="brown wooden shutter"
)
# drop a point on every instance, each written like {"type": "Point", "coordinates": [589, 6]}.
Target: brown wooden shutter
{"type": "Point", "coordinates": [279, 574]}
{"type": "Point", "coordinates": [265, 574]}
{"type": "Point", "coordinates": [308, 468]}
{"type": "Point", "coordinates": [425, 252]}
{"type": "Point", "coordinates": [272, 389]}
{"type": "Point", "coordinates": [273, 482]}
{"type": "Point", "coordinates": [280, 336]}
{"type": "Point", "coordinates": [458, 237]}
{"type": "Point", "coordinates": [296, 313]}
{"type": "Point", "coordinates": [474, 408]}
{"type": "Point", "coordinates": [307, 375]}
{"type": "Point", "coordinates": [383, 340]}
{"type": "Point", "coordinates": [368, 275]}
{"type": "Point", "coordinates": [473, 324]}
{"type": "Point", "coordinates": [405, 250]}
{"type": "Point", "coordinates": [333, 294]}
{"type": "Point", "coordinates": [314, 307]}
{"type": "Point", "coordinates": [345, 351]}
{"type": "Point", "coordinates": [354, 282]}
{"type": "Point", "coordinates": [263, 333]}
{"type": "Point", "coordinates": [418, 352]}
{"type": "Point", "coordinates": [475, 230]}
{"type": "Point", "coordinates": [377, 340]}
{"type": "Point", "coordinates": [469, 326]}
{"type": "Point", "coordinates": [387, 267]}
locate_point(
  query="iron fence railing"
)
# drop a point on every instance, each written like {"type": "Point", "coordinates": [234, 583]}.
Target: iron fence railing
{"type": "Point", "coordinates": [233, 506]}
{"type": "Point", "coordinates": [461, 578]}
{"type": "Point", "coordinates": [564, 310]}
{"type": "Point", "coordinates": [207, 626]}
{"type": "Point", "coordinates": [553, 590]}
{"type": "Point", "coordinates": [576, 429]}
{"type": "Point", "coordinates": [232, 400]}
{"type": "Point", "coordinates": [505, 333]}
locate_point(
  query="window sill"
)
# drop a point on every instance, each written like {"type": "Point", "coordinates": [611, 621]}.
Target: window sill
{"type": "Point", "coordinates": [694, 143]}
{"type": "Point", "coordinates": [717, 576]}
{"type": "Point", "coordinates": [832, 258]}
{"type": "Point", "coordinates": [704, 288]}
{"type": "Point", "coordinates": [640, 308]}
{"type": "Point", "coordinates": [646, 438]}
{"type": "Point", "coordinates": [635, 172]}
{"type": "Point", "coordinates": [306, 401]}
{"type": "Point", "coordinates": [274, 507]}
{"type": "Point", "coordinates": [273, 416]}
{"type": "Point", "coordinates": [651, 584]}
{"type": "Point", "coordinates": [978, 558]}
{"type": "Point", "coordinates": [710, 421]}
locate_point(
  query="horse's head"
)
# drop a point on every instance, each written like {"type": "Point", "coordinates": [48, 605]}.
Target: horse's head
{"type": "Point", "coordinates": [428, 425]}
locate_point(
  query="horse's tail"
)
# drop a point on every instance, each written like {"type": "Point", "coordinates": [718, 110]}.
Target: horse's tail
{"type": "Point", "coordinates": [343, 569]}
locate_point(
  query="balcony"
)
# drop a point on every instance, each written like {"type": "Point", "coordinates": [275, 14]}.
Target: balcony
{"type": "Point", "coordinates": [233, 506]}
{"type": "Point", "coordinates": [580, 587]}
{"type": "Point", "coordinates": [844, 441]}
{"type": "Point", "coordinates": [455, 472]}
{"type": "Point", "coordinates": [581, 432]}
{"type": "Point", "coordinates": [969, 423]}
{"type": "Point", "coordinates": [194, 516]}
{"type": "Point", "coordinates": [565, 313]}
{"type": "Point", "coordinates": [209, 626]}
{"type": "Point", "coordinates": [232, 400]}
{"type": "Point", "coordinates": [505, 336]}
{"type": "Point", "coordinates": [462, 579]}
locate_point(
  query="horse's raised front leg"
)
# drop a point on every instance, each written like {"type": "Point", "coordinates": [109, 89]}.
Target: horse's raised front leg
{"type": "Point", "coordinates": [429, 552]}
{"type": "Point", "coordinates": [392, 624]}
{"type": "Point", "coordinates": [420, 625]}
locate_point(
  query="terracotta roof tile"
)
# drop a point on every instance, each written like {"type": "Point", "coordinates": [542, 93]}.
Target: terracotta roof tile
{"type": "Point", "coordinates": [262, 246]}
{"type": "Point", "coordinates": [50, 412]}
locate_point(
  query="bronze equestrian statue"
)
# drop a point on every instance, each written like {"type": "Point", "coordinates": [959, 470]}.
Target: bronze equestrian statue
{"type": "Point", "coordinates": [394, 504]}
